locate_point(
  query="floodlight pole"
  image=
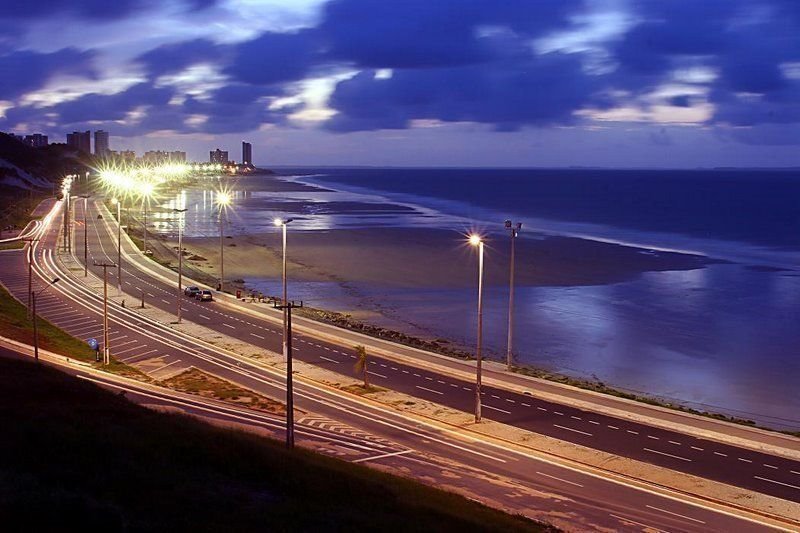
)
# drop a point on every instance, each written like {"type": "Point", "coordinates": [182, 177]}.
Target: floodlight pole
{"type": "Point", "coordinates": [287, 309]}
{"type": "Point", "coordinates": [106, 348]}
{"type": "Point", "coordinates": [30, 242]}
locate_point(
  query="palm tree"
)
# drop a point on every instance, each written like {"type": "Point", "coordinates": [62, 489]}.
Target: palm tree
{"type": "Point", "coordinates": [361, 363]}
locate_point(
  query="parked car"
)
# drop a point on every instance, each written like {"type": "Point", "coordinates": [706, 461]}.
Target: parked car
{"type": "Point", "coordinates": [204, 296]}
{"type": "Point", "coordinates": [191, 290]}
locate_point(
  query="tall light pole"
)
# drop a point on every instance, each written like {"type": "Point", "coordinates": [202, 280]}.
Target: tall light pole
{"type": "Point", "coordinates": [30, 242]}
{"type": "Point", "coordinates": [514, 230]}
{"type": "Point", "coordinates": [146, 190]}
{"type": "Point", "coordinates": [35, 327]}
{"type": "Point", "coordinates": [106, 347]}
{"type": "Point", "coordinates": [85, 233]}
{"type": "Point", "coordinates": [180, 213]}
{"type": "Point", "coordinates": [287, 340]}
{"type": "Point", "coordinates": [475, 240]}
{"type": "Point", "coordinates": [223, 201]}
{"type": "Point", "coordinates": [118, 203]}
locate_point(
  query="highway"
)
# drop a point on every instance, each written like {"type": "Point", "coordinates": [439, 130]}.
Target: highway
{"type": "Point", "coordinates": [592, 499]}
{"type": "Point", "coordinates": [748, 469]}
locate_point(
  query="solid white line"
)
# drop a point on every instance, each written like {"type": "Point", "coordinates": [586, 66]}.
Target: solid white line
{"type": "Point", "coordinates": [497, 409]}
{"type": "Point", "coordinates": [376, 374]}
{"type": "Point", "coordinates": [559, 479]}
{"type": "Point", "coordinates": [382, 456]}
{"type": "Point", "coordinates": [429, 390]}
{"type": "Point", "coordinates": [668, 455]}
{"type": "Point", "coordinates": [574, 430]}
{"type": "Point", "coordinates": [777, 482]}
{"type": "Point", "coordinates": [676, 514]}
{"type": "Point", "coordinates": [256, 335]}
{"type": "Point", "coordinates": [649, 528]}
{"type": "Point", "coordinates": [328, 359]}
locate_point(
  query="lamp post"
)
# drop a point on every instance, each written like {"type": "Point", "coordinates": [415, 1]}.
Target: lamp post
{"type": "Point", "coordinates": [85, 233]}
{"type": "Point", "coordinates": [118, 203]}
{"type": "Point", "coordinates": [146, 190]}
{"type": "Point", "coordinates": [223, 201]}
{"type": "Point", "coordinates": [35, 326]}
{"type": "Point", "coordinates": [282, 224]}
{"type": "Point", "coordinates": [475, 240]}
{"type": "Point", "coordinates": [106, 348]}
{"type": "Point", "coordinates": [180, 213]}
{"type": "Point", "coordinates": [287, 340]}
{"type": "Point", "coordinates": [514, 231]}
{"type": "Point", "coordinates": [30, 242]}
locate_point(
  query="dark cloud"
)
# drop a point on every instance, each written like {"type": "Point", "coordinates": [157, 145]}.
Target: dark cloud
{"type": "Point", "coordinates": [543, 90]}
{"type": "Point", "coordinates": [88, 9]}
{"type": "Point", "coordinates": [274, 58]}
{"type": "Point", "coordinates": [170, 58]}
{"type": "Point", "coordinates": [24, 71]}
{"type": "Point", "coordinates": [423, 33]}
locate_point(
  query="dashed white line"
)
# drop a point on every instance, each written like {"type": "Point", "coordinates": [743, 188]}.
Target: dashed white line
{"type": "Point", "coordinates": [542, 409]}
{"type": "Point", "coordinates": [376, 374]}
{"type": "Point", "coordinates": [696, 448]}
{"type": "Point", "coordinates": [632, 432]}
{"type": "Point", "coordinates": [612, 427]}
{"type": "Point", "coordinates": [720, 454]}
{"type": "Point", "coordinates": [648, 528]}
{"type": "Point", "coordinates": [676, 514]}
{"type": "Point", "coordinates": [526, 404]}
{"type": "Point", "coordinates": [559, 414]}
{"type": "Point", "coordinates": [594, 422]}
{"type": "Point", "coordinates": [429, 390]}
{"type": "Point", "coordinates": [257, 336]}
{"type": "Point", "coordinates": [770, 466]}
{"type": "Point", "coordinates": [793, 472]}
{"type": "Point", "coordinates": [559, 479]}
{"type": "Point", "coordinates": [777, 482]}
{"type": "Point", "coordinates": [328, 359]}
{"type": "Point", "coordinates": [228, 325]}
{"type": "Point", "coordinates": [573, 430]}
{"type": "Point", "coordinates": [745, 460]}
{"type": "Point", "coordinates": [668, 455]}
{"type": "Point", "coordinates": [674, 442]}
{"type": "Point", "coordinates": [497, 409]}
{"type": "Point", "coordinates": [653, 437]}
{"type": "Point", "coordinates": [576, 417]}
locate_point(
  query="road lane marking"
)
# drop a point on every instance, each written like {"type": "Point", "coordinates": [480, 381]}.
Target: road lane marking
{"type": "Point", "coordinates": [542, 409]}
{"type": "Point", "coordinates": [165, 366]}
{"type": "Point", "coordinates": [559, 479]}
{"type": "Point", "coordinates": [674, 442]}
{"type": "Point", "coordinates": [526, 404]}
{"type": "Point", "coordinates": [228, 325]}
{"type": "Point", "coordinates": [652, 437]}
{"type": "Point", "coordinates": [497, 409]}
{"type": "Point", "coordinates": [612, 427]}
{"type": "Point", "coordinates": [676, 514]}
{"type": "Point", "coordinates": [165, 301]}
{"type": "Point", "coordinates": [793, 472]}
{"type": "Point", "coordinates": [393, 454]}
{"type": "Point", "coordinates": [329, 359]}
{"type": "Point", "coordinates": [745, 460]}
{"type": "Point", "coordinates": [632, 432]}
{"type": "Point", "coordinates": [696, 448]}
{"type": "Point", "coordinates": [770, 466]}
{"type": "Point", "coordinates": [257, 336]}
{"type": "Point", "coordinates": [593, 422]}
{"type": "Point", "coordinates": [559, 414]}
{"type": "Point", "coordinates": [648, 528]}
{"type": "Point", "coordinates": [376, 374]}
{"type": "Point", "coordinates": [720, 454]}
{"type": "Point", "coordinates": [777, 482]}
{"type": "Point", "coordinates": [668, 455]}
{"type": "Point", "coordinates": [573, 430]}
{"type": "Point", "coordinates": [576, 417]}
{"type": "Point", "coordinates": [429, 390]}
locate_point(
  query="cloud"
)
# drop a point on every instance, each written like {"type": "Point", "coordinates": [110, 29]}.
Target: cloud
{"type": "Point", "coordinates": [174, 57]}
{"type": "Point", "coordinates": [87, 9]}
{"type": "Point", "coordinates": [274, 57]}
{"type": "Point", "coordinates": [24, 71]}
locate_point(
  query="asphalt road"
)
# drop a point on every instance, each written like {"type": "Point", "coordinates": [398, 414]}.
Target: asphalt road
{"type": "Point", "coordinates": [741, 467]}
{"type": "Point", "coordinates": [589, 499]}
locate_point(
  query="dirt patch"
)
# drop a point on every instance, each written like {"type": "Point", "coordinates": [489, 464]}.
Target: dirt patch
{"type": "Point", "coordinates": [197, 382]}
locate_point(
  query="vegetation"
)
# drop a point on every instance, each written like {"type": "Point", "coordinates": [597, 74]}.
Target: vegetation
{"type": "Point", "coordinates": [74, 457]}
{"type": "Point", "coordinates": [362, 363]}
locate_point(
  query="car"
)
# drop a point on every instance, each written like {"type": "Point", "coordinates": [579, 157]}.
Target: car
{"type": "Point", "coordinates": [204, 296]}
{"type": "Point", "coordinates": [191, 290]}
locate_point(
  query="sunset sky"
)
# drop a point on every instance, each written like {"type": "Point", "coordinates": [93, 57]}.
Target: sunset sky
{"type": "Point", "coordinates": [678, 83]}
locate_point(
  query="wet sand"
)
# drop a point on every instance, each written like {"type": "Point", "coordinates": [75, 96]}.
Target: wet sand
{"type": "Point", "coordinates": [419, 258]}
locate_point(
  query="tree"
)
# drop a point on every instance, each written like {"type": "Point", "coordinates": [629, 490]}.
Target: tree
{"type": "Point", "coordinates": [361, 363]}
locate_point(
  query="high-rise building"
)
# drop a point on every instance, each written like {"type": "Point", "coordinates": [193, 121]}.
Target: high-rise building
{"type": "Point", "coordinates": [36, 140]}
{"type": "Point", "coordinates": [218, 156]}
{"type": "Point", "coordinates": [101, 143]}
{"type": "Point", "coordinates": [177, 156]}
{"type": "Point", "coordinates": [247, 153]}
{"type": "Point", "coordinates": [81, 140]}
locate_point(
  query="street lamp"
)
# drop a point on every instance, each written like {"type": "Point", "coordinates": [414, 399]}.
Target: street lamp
{"type": "Point", "coordinates": [475, 240]}
{"type": "Point", "coordinates": [35, 327]}
{"type": "Point", "coordinates": [85, 233]}
{"type": "Point", "coordinates": [287, 343]}
{"type": "Point", "coordinates": [146, 190]}
{"type": "Point", "coordinates": [223, 201]}
{"type": "Point", "coordinates": [106, 347]}
{"type": "Point", "coordinates": [118, 203]}
{"type": "Point", "coordinates": [514, 231]}
{"type": "Point", "coordinates": [180, 213]}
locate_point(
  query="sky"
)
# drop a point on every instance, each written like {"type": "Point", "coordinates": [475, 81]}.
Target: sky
{"type": "Point", "coordinates": [531, 83]}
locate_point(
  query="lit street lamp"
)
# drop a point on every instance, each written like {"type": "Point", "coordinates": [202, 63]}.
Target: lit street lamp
{"type": "Point", "coordinates": [475, 240]}
{"type": "Point", "coordinates": [106, 347]}
{"type": "Point", "coordinates": [118, 203]}
{"type": "Point", "coordinates": [180, 258]}
{"type": "Point", "coordinates": [514, 230]}
{"type": "Point", "coordinates": [35, 327]}
{"type": "Point", "coordinates": [223, 201]}
{"type": "Point", "coordinates": [85, 233]}
{"type": "Point", "coordinates": [146, 191]}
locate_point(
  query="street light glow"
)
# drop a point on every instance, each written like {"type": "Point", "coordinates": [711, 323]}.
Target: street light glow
{"type": "Point", "coordinates": [223, 198]}
{"type": "Point", "coordinates": [278, 222]}
{"type": "Point", "coordinates": [474, 239]}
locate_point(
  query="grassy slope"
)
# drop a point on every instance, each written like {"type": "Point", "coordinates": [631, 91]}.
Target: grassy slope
{"type": "Point", "coordinates": [74, 456]}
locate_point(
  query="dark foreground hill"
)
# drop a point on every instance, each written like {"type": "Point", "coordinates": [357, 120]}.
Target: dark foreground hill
{"type": "Point", "coordinates": [74, 457]}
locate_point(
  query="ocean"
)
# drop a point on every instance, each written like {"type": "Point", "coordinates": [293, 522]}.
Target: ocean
{"type": "Point", "coordinates": [722, 338]}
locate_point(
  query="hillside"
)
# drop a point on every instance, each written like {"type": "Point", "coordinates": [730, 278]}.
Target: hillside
{"type": "Point", "coordinates": [74, 457]}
